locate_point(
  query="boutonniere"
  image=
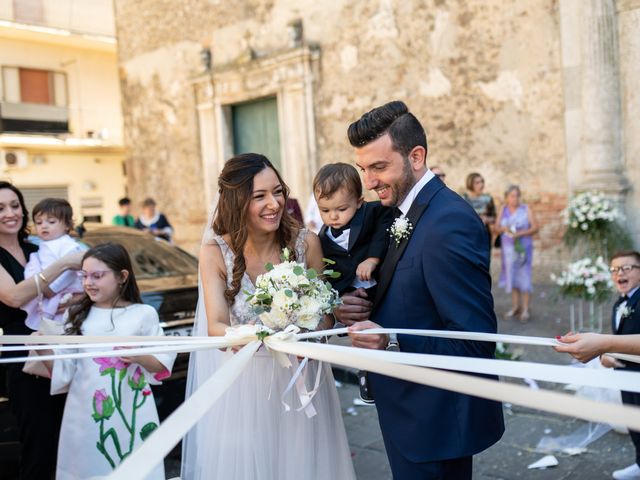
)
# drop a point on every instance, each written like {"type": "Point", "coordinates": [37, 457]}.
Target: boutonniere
{"type": "Point", "coordinates": [400, 229]}
{"type": "Point", "coordinates": [626, 311]}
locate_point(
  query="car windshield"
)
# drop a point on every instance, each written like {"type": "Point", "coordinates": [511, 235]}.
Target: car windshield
{"type": "Point", "coordinates": [151, 258]}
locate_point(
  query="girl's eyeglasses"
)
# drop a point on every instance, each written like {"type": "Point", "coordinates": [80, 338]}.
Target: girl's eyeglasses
{"type": "Point", "coordinates": [97, 275]}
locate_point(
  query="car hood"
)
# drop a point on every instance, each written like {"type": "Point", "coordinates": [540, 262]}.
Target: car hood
{"type": "Point", "coordinates": [166, 284]}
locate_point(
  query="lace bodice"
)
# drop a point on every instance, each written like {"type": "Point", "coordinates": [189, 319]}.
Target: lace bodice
{"type": "Point", "coordinates": [241, 312]}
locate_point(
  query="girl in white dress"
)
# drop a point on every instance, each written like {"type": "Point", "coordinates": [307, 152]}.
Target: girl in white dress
{"type": "Point", "coordinates": [110, 408]}
{"type": "Point", "coordinates": [248, 434]}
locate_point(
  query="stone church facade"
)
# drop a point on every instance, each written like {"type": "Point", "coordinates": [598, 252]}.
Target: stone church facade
{"type": "Point", "coordinates": [540, 93]}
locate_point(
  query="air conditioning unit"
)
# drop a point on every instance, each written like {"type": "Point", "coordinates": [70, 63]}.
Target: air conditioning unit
{"type": "Point", "coordinates": [10, 159]}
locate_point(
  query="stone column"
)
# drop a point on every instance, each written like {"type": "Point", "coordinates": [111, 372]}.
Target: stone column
{"type": "Point", "coordinates": [601, 149]}
{"type": "Point", "coordinates": [629, 39]}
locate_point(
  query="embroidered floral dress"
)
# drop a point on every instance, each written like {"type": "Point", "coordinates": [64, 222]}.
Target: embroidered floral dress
{"type": "Point", "coordinates": [249, 434]}
{"type": "Point", "coordinates": [110, 408]}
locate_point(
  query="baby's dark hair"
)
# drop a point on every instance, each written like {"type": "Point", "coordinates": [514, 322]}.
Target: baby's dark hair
{"type": "Point", "coordinates": [55, 207]}
{"type": "Point", "coordinates": [334, 177]}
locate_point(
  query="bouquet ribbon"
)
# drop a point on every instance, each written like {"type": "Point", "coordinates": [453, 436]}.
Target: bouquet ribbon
{"type": "Point", "coordinates": [440, 371]}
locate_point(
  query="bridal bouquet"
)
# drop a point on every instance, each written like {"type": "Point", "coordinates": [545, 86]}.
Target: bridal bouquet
{"type": "Point", "coordinates": [290, 294]}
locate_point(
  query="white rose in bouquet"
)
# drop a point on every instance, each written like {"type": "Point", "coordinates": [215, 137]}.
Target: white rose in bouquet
{"type": "Point", "coordinates": [275, 319]}
{"type": "Point", "coordinates": [290, 294]}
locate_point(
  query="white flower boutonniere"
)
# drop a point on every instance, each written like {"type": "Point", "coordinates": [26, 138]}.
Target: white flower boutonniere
{"type": "Point", "coordinates": [400, 229]}
{"type": "Point", "coordinates": [626, 311]}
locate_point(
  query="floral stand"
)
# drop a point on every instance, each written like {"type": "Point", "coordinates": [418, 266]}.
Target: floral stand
{"type": "Point", "coordinates": [586, 316]}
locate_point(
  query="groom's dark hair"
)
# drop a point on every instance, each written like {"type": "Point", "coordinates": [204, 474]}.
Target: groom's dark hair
{"type": "Point", "coordinates": [393, 118]}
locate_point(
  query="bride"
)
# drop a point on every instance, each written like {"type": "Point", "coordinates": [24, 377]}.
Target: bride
{"type": "Point", "coordinates": [248, 434]}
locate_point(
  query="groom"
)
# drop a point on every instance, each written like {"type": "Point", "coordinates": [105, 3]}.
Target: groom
{"type": "Point", "coordinates": [437, 278]}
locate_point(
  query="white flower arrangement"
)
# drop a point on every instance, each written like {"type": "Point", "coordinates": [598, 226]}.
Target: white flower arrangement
{"type": "Point", "coordinates": [587, 209]}
{"type": "Point", "coordinates": [400, 229]}
{"type": "Point", "coordinates": [587, 279]}
{"type": "Point", "coordinates": [290, 294]}
{"type": "Point", "coordinates": [595, 224]}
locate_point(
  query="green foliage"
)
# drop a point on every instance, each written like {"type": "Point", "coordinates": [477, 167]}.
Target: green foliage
{"type": "Point", "coordinates": [147, 430]}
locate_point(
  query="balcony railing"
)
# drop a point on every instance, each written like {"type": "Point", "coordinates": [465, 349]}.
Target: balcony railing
{"type": "Point", "coordinates": [33, 117]}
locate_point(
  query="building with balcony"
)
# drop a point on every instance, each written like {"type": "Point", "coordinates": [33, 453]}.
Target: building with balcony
{"type": "Point", "coordinates": [60, 115]}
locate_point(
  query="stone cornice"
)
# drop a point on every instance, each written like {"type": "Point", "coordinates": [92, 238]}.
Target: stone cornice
{"type": "Point", "coordinates": [258, 75]}
{"type": "Point", "coordinates": [626, 5]}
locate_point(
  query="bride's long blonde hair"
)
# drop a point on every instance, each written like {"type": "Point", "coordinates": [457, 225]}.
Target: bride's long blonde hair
{"type": "Point", "coordinates": [235, 185]}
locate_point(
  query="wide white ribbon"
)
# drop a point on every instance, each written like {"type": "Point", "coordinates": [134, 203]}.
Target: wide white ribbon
{"type": "Point", "coordinates": [416, 368]}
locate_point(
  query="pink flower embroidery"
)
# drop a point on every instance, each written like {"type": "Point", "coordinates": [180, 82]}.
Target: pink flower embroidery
{"type": "Point", "coordinates": [103, 406]}
{"type": "Point", "coordinates": [110, 362]}
{"type": "Point", "coordinates": [137, 380]}
{"type": "Point", "coordinates": [162, 375]}
{"type": "Point", "coordinates": [146, 392]}
{"type": "Point", "coordinates": [99, 397]}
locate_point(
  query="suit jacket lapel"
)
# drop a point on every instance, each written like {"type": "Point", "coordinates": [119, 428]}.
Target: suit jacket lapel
{"type": "Point", "coordinates": [356, 225]}
{"type": "Point", "coordinates": [631, 305]}
{"type": "Point", "coordinates": [395, 252]}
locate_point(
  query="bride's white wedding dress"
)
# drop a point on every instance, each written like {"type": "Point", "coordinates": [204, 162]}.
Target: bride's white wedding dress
{"type": "Point", "coordinates": [248, 435]}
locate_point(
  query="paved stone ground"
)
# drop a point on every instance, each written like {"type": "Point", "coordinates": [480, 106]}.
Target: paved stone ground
{"type": "Point", "coordinates": [509, 458]}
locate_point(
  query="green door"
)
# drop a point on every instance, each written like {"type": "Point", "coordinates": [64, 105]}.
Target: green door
{"type": "Point", "coordinates": [255, 129]}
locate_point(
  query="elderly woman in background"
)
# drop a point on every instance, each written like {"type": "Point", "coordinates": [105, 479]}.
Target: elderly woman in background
{"type": "Point", "coordinates": [516, 225]}
{"type": "Point", "coordinates": [481, 202]}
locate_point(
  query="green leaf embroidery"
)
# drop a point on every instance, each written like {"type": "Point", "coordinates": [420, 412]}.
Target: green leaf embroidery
{"type": "Point", "coordinates": [147, 430]}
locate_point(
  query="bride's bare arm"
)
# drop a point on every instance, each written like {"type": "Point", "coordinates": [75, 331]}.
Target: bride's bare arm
{"type": "Point", "coordinates": [314, 260]}
{"type": "Point", "coordinates": [213, 273]}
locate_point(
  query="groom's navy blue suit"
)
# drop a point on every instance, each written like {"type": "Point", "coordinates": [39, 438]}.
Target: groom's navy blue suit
{"type": "Point", "coordinates": [438, 279]}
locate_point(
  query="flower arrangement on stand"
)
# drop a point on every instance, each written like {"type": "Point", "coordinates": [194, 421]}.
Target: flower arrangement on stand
{"type": "Point", "coordinates": [594, 222]}
{"type": "Point", "coordinates": [589, 283]}
{"type": "Point", "coordinates": [585, 279]}
{"type": "Point", "coordinates": [594, 232]}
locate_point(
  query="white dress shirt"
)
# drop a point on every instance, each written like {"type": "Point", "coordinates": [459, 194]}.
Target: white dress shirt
{"type": "Point", "coordinates": [413, 193]}
{"type": "Point", "coordinates": [622, 306]}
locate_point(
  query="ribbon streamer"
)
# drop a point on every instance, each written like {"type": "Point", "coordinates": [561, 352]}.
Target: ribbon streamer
{"type": "Point", "coordinates": [176, 426]}
{"type": "Point", "coordinates": [370, 360]}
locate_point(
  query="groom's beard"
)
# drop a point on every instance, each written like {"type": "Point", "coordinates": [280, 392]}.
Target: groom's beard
{"type": "Point", "coordinates": [404, 185]}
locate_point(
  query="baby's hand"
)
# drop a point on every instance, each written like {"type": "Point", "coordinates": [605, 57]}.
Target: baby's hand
{"type": "Point", "coordinates": [365, 270]}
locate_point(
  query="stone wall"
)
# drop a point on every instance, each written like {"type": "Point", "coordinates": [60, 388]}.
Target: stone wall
{"type": "Point", "coordinates": [484, 77]}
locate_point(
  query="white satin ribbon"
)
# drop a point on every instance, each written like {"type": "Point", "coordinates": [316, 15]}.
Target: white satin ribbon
{"type": "Point", "coordinates": [170, 432]}
{"type": "Point", "coordinates": [563, 404]}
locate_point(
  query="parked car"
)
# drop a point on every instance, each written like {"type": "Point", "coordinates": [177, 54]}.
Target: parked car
{"type": "Point", "coordinates": [168, 281]}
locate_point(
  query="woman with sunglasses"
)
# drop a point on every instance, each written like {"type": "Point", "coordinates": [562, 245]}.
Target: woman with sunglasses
{"type": "Point", "coordinates": [38, 414]}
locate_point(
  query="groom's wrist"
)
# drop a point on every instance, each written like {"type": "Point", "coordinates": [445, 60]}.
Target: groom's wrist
{"type": "Point", "coordinates": [392, 343]}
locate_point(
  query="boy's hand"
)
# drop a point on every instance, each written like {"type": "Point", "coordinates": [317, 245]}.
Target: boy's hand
{"type": "Point", "coordinates": [365, 270]}
{"type": "Point", "coordinates": [611, 362]}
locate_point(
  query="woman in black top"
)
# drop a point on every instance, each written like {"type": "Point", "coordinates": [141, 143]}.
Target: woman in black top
{"type": "Point", "coordinates": [38, 413]}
